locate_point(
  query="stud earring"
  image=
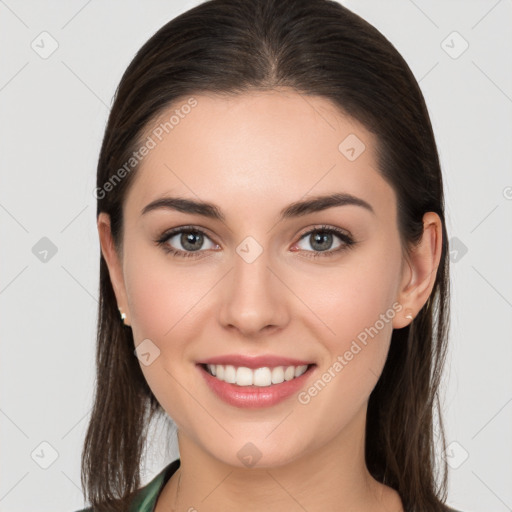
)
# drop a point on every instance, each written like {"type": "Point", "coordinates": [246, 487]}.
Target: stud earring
{"type": "Point", "coordinates": [409, 314]}
{"type": "Point", "coordinates": [123, 315]}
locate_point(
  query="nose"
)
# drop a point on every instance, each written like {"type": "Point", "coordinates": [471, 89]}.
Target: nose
{"type": "Point", "coordinates": [254, 299]}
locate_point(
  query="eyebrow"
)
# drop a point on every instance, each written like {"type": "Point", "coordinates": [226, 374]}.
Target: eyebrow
{"type": "Point", "coordinates": [296, 209]}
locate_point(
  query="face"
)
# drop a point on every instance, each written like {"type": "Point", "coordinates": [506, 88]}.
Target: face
{"type": "Point", "coordinates": [318, 285]}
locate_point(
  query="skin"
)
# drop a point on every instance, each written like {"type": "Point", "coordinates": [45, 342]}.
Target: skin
{"type": "Point", "coordinates": [252, 155]}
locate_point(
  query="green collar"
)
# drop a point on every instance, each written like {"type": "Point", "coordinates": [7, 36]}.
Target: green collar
{"type": "Point", "coordinates": [146, 497]}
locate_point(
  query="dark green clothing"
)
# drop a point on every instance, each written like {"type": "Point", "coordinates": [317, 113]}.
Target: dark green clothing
{"type": "Point", "coordinates": [146, 497]}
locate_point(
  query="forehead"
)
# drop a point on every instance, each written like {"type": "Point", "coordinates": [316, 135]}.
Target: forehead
{"type": "Point", "coordinates": [267, 148]}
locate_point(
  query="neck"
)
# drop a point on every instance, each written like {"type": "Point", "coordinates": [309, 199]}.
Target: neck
{"type": "Point", "coordinates": [331, 477]}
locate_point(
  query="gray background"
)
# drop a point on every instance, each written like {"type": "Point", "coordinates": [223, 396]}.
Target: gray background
{"type": "Point", "coordinates": [53, 112]}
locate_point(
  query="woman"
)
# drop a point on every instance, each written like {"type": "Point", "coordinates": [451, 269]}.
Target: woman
{"type": "Point", "coordinates": [274, 272]}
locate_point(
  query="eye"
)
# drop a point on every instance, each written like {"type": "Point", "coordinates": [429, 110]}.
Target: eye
{"type": "Point", "coordinates": [189, 238]}
{"type": "Point", "coordinates": [321, 239]}
{"type": "Point", "coordinates": [190, 241]}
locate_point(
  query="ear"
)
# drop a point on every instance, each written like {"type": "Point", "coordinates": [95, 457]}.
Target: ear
{"type": "Point", "coordinates": [420, 270]}
{"type": "Point", "coordinates": [114, 263]}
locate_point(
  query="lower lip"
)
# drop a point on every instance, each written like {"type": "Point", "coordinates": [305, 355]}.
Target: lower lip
{"type": "Point", "coordinates": [255, 396]}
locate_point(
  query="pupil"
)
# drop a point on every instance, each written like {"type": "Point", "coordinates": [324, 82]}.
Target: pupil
{"type": "Point", "coordinates": [187, 240]}
{"type": "Point", "coordinates": [326, 237]}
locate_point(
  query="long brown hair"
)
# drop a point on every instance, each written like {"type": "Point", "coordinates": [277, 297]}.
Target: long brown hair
{"type": "Point", "coordinates": [315, 47]}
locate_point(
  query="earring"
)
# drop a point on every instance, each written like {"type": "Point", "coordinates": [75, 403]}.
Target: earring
{"type": "Point", "coordinates": [123, 315]}
{"type": "Point", "coordinates": [409, 314]}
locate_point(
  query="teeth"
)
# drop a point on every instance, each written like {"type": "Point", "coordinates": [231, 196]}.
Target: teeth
{"type": "Point", "coordinates": [265, 376]}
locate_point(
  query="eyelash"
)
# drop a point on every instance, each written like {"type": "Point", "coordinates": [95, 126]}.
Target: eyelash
{"type": "Point", "coordinates": [348, 241]}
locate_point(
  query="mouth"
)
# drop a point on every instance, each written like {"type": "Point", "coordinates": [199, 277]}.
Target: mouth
{"type": "Point", "coordinates": [253, 378]}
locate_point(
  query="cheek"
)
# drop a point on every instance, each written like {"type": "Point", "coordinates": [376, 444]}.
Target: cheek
{"type": "Point", "coordinates": [354, 296]}
{"type": "Point", "coordinates": [162, 295]}
{"type": "Point", "coordinates": [359, 312]}
{"type": "Point", "coordinates": [355, 305]}
{"type": "Point", "coordinates": [164, 301]}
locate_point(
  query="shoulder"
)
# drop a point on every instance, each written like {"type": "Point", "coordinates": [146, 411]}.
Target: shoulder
{"type": "Point", "coordinates": [144, 498]}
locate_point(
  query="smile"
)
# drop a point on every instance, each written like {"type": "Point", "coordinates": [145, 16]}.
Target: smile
{"type": "Point", "coordinates": [264, 376]}
{"type": "Point", "coordinates": [258, 387]}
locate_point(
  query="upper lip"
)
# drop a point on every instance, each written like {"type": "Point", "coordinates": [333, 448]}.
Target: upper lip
{"type": "Point", "coordinates": [254, 361]}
